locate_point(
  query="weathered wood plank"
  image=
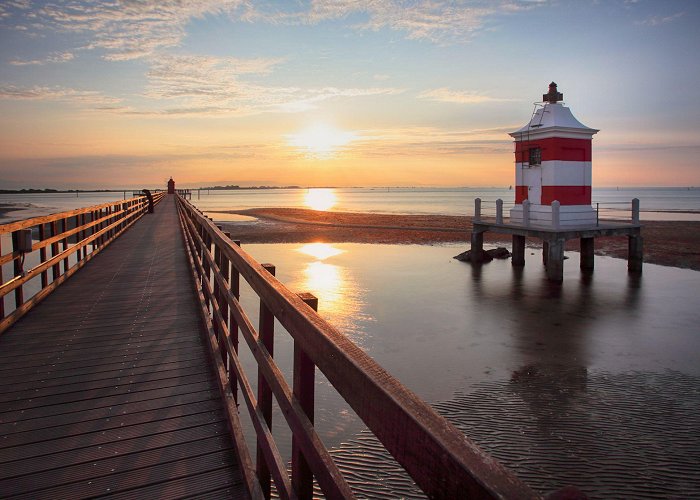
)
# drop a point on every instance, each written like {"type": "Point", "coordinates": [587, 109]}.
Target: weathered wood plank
{"type": "Point", "coordinates": [107, 387]}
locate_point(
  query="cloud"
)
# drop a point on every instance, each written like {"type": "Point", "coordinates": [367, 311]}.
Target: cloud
{"type": "Point", "coordinates": [125, 30]}
{"type": "Point", "coordinates": [428, 142]}
{"type": "Point", "coordinates": [84, 97]}
{"type": "Point", "coordinates": [456, 96]}
{"type": "Point", "coordinates": [54, 57]}
{"type": "Point", "coordinates": [659, 20]}
{"type": "Point", "coordinates": [433, 20]}
{"type": "Point", "coordinates": [208, 85]}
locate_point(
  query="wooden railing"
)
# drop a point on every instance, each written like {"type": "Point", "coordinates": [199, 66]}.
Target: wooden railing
{"type": "Point", "coordinates": [442, 461]}
{"type": "Point", "coordinates": [56, 246]}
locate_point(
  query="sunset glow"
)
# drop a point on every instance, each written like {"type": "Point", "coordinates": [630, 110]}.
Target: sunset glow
{"type": "Point", "coordinates": [320, 199]}
{"type": "Point", "coordinates": [320, 251]}
{"type": "Point", "coordinates": [317, 93]}
{"type": "Point", "coordinates": [320, 140]}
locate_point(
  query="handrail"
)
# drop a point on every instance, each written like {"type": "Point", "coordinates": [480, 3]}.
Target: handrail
{"type": "Point", "coordinates": [73, 238]}
{"type": "Point", "coordinates": [442, 461]}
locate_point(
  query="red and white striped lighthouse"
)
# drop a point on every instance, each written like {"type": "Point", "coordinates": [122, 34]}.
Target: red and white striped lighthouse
{"type": "Point", "coordinates": [553, 163]}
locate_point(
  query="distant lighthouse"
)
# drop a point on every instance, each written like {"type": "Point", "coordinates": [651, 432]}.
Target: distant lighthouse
{"type": "Point", "coordinates": [553, 163]}
{"type": "Point", "coordinates": [171, 186]}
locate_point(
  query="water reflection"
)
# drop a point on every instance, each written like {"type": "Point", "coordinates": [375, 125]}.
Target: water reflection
{"type": "Point", "coordinates": [339, 295]}
{"type": "Point", "coordinates": [320, 251]}
{"type": "Point", "coordinates": [320, 198]}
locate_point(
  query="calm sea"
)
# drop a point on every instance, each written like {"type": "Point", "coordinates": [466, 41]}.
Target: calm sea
{"type": "Point", "coordinates": [594, 382]}
{"type": "Point", "coordinates": [656, 203]}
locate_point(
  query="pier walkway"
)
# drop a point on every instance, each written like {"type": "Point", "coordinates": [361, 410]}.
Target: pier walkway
{"type": "Point", "coordinates": [126, 381]}
{"type": "Point", "coordinates": [107, 388]}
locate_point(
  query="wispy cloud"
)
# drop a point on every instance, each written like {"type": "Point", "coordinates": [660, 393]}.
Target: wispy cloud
{"type": "Point", "coordinates": [659, 20]}
{"type": "Point", "coordinates": [434, 20]}
{"type": "Point", "coordinates": [124, 30]}
{"type": "Point", "coordinates": [207, 85]}
{"type": "Point", "coordinates": [428, 142]}
{"type": "Point", "coordinates": [83, 97]}
{"type": "Point", "coordinates": [53, 58]}
{"type": "Point", "coordinates": [458, 96]}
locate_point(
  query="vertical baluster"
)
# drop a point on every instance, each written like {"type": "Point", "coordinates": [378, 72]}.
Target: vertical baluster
{"type": "Point", "coordinates": [225, 268]}
{"type": "Point", "coordinates": [266, 331]}
{"type": "Point", "coordinates": [78, 238]}
{"type": "Point", "coordinates": [56, 268]}
{"type": "Point", "coordinates": [2, 299]}
{"type": "Point", "coordinates": [219, 332]}
{"type": "Point", "coordinates": [235, 284]}
{"type": "Point", "coordinates": [64, 243]}
{"type": "Point", "coordinates": [303, 390]}
{"type": "Point", "coordinates": [42, 256]}
{"type": "Point", "coordinates": [17, 262]}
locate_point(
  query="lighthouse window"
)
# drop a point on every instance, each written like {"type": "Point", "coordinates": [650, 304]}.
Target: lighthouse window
{"type": "Point", "coordinates": [535, 156]}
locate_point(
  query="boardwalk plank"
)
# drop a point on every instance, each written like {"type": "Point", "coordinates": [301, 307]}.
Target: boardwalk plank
{"type": "Point", "coordinates": [106, 387]}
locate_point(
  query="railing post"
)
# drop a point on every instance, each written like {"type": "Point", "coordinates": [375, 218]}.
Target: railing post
{"type": "Point", "coordinates": [635, 211]}
{"type": "Point", "coordinates": [56, 268]}
{"type": "Point", "coordinates": [17, 263]}
{"type": "Point", "coordinates": [477, 208]}
{"type": "Point", "coordinates": [64, 244]}
{"type": "Point", "coordinates": [2, 299]}
{"type": "Point", "coordinates": [233, 328]}
{"type": "Point", "coordinates": [526, 212]}
{"type": "Point", "coordinates": [499, 211]}
{"type": "Point", "coordinates": [267, 337]}
{"type": "Point", "coordinates": [42, 258]}
{"type": "Point", "coordinates": [303, 390]}
{"type": "Point", "coordinates": [556, 208]}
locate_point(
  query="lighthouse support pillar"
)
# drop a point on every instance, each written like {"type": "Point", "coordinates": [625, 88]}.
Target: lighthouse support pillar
{"type": "Point", "coordinates": [587, 253]}
{"type": "Point", "coordinates": [477, 255]}
{"type": "Point", "coordinates": [518, 253]}
{"type": "Point", "coordinates": [555, 260]}
{"type": "Point", "coordinates": [635, 253]}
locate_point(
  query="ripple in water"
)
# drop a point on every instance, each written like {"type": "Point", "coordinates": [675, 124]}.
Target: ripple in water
{"type": "Point", "coordinates": [630, 435]}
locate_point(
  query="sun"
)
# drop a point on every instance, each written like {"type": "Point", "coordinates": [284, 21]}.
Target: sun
{"type": "Point", "coordinates": [320, 198]}
{"type": "Point", "coordinates": [321, 140]}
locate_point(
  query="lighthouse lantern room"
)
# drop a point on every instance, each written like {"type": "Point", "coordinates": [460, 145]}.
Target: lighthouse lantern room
{"type": "Point", "coordinates": [553, 163]}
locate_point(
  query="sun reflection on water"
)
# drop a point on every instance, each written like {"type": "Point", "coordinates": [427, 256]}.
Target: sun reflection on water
{"type": "Point", "coordinates": [340, 299]}
{"type": "Point", "coordinates": [320, 198]}
{"type": "Point", "coordinates": [320, 251]}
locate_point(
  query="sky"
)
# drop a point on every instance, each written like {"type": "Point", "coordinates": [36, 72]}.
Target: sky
{"type": "Point", "coordinates": [121, 94]}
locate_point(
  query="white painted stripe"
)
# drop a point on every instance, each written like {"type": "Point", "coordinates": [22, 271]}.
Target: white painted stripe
{"type": "Point", "coordinates": [566, 173]}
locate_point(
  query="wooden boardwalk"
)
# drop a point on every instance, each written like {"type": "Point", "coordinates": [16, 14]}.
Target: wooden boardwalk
{"type": "Point", "coordinates": [107, 388]}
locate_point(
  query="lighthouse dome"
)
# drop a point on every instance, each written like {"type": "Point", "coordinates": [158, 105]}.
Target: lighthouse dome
{"type": "Point", "coordinates": [553, 118]}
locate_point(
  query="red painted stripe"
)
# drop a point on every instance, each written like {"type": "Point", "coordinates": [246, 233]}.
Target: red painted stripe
{"type": "Point", "coordinates": [520, 194]}
{"type": "Point", "coordinates": [555, 148]}
{"type": "Point", "coordinates": [566, 195]}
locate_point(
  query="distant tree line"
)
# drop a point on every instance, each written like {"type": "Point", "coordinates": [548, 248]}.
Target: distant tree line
{"type": "Point", "coordinates": [233, 187]}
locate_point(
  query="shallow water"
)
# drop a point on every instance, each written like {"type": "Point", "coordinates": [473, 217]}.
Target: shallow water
{"type": "Point", "coordinates": [570, 366]}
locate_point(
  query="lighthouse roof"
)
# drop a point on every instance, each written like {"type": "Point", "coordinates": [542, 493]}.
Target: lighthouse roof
{"type": "Point", "coordinates": [553, 119]}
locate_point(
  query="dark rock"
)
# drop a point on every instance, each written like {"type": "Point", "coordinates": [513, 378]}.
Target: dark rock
{"type": "Point", "coordinates": [498, 253]}
{"type": "Point", "coordinates": [467, 257]}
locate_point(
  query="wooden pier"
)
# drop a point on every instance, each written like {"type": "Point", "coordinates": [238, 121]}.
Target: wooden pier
{"type": "Point", "coordinates": [554, 237]}
{"type": "Point", "coordinates": [107, 388]}
{"type": "Point", "coordinates": [125, 381]}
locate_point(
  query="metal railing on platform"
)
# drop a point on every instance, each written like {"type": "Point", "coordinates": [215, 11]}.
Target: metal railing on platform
{"type": "Point", "coordinates": [54, 247]}
{"type": "Point", "coordinates": [442, 461]}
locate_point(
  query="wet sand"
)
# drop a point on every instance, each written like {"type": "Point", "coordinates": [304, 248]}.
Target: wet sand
{"type": "Point", "coordinates": [667, 243]}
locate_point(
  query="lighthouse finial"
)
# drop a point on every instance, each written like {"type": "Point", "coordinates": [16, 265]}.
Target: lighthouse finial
{"type": "Point", "coordinates": [553, 96]}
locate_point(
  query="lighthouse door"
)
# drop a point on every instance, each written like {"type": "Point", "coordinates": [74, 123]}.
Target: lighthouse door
{"type": "Point", "coordinates": [534, 193]}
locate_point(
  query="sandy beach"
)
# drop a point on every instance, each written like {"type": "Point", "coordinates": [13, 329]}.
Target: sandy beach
{"type": "Point", "coordinates": [667, 243]}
